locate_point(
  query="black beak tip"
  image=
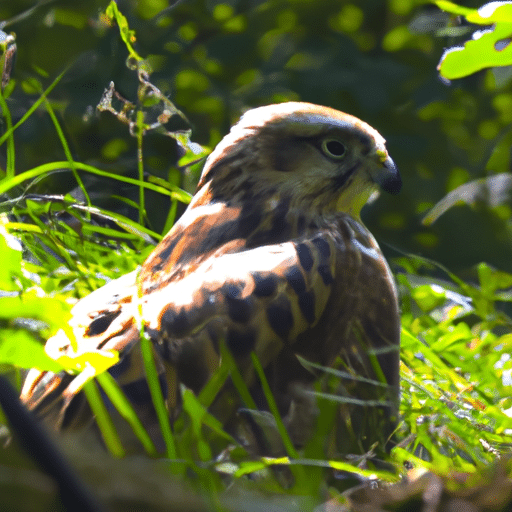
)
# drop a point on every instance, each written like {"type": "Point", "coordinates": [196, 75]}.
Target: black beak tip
{"type": "Point", "coordinates": [393, 181]}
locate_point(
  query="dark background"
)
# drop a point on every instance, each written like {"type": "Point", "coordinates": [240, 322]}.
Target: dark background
{"type": "Point", "coordinates": [374, 59]}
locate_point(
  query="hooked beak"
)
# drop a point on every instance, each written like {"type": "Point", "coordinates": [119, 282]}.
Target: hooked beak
{"type": "Point", "coordinates": [388, 176]}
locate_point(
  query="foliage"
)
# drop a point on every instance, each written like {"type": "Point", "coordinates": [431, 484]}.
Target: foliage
{"type": "Point", "coordinates": [64, 233]}
{"type": "Point", "coordinates": [455, 367]}
{"type": "Point", "coordinates": [487, 48]}
{"type": "Point", "coordinates": [22, 299]}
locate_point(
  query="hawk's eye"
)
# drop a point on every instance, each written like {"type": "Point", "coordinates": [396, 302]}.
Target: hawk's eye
{"type": "Point", "coordinates": [333, 148]}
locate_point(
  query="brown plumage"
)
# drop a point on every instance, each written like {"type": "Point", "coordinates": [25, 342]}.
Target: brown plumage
{"type": "Point", "coordinates": [272, 257]}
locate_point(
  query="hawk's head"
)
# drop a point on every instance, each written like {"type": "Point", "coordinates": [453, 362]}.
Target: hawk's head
{"type": "Point", "coordinates": [321, 159]}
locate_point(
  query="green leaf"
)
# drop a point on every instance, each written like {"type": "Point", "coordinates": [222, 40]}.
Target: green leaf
{"type": "Point", "coordinates": [10, 256]}
{"type": "Point", "coordinates": [20, 348]}
{"type": "Point", "coordinates": [491, 48]}
{"type": "Point", "coordinates": [100, 360]}
{"type": "Point", "coordinates": [453, 8]}
{"type": "Point", "coordinates": [491, 12]}
{"type": "Point", "coordinates": [492, 280]}
{"type": "Point", "coordinates": [127, 35]}
{"type": "Point", "coordinates": [52, 311]}
{"type": "Point", "coordinates": [428, 297]}
{"type": "Point", "coordinates": [488, 48]}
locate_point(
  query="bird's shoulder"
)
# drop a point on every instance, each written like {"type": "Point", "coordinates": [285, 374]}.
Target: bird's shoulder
{"type": "Point", "coordinates": [289, 281]}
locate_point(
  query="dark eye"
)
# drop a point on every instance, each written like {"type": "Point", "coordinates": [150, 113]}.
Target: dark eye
{"type": "Point", "coordinates": [333, 148]}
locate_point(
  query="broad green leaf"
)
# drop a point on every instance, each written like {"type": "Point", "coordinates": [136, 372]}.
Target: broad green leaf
{"type": "Point", "coordinates": [54, 312]}
{"type": "Point", "coordinates": [492, 280]}
{"type": "Point", "coordinates": [428, 297]}
{"type": "Point", "coordinates": [491, 12]}
{"type": "Point", "coordinates": [19, 347]}
{"type": "Point", "coordinates": [488, 48]}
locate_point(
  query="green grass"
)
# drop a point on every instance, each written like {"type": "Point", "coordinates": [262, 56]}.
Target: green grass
{"type": "Point", "coordinates": [456, 370]}
{"type": "Point", "coordinates": [455, 344]}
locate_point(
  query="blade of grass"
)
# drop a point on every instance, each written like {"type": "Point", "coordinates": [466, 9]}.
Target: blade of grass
{"type": "Point", "coordinates": [237, 378]}
{"type": "Point", "coordinates": [157, 395]}
{"type": "Point", "coordinates": [140, 164]}
{"type": "Point", "coordinates": [154, 382]}
{"type": "Point", "coordinates": [107, 429]}
{"type": "Point", "coordinates": [108, 232]}
{"type": "Point", "coordinates": [22, 226]}
{"type": "Point", "coordinates": [349, 400]}
{"type": "Point", "coordinates": [290, 449]}
{"type": "Point", "coordinates": [10, 142]}
{"type": "Point", "coordinates": [171, 216]}
{"type": "Point", "coordinates": [167, 185]}
{"type": "Point", "coordinates": [123, 405]}
{"type": "Point", "coordinates": [215, 384]}
{"type": "Point", "coordinates": [339, 373]}
{"type": "Point", "coordinates": [53, 243]}
{"type": "Point", "coordinates": [302, 481]}
{"type": "Point", "coordinates": [67, 151]}
{"type": "Point", "coordinates": [248, 467]}
{"type": "Point", "coordinates": [200, 416]}
{"type": "Point", "coordinates": [125, 200]}
{"type": "Point", "coordinates": [34, 107]}
{"type": "Point", "coordinates": [7, 184]}
{"type": "Point", "coordinates": [122, 221]}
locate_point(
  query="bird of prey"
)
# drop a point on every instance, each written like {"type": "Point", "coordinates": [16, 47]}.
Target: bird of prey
{"type": "Point", "coordinates": [270, 257]}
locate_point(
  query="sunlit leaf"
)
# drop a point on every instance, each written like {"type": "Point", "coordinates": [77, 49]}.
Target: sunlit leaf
{"type": "Point", "coordinates": [127, 35]}
{"type": "Point", "coordinates": [10, 256]}
{"type": "Point", "coordinates": [100, 360]}
{"type": "Point", "coordinates": [53, 311]}
{"type": "Point", "coordinates": [20, 348]}
{"type": "Point", "coordinates": [488, 48]}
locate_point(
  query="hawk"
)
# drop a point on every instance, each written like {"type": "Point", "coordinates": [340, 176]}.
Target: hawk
{"type": "Point", "coordinates": [270, 257]}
